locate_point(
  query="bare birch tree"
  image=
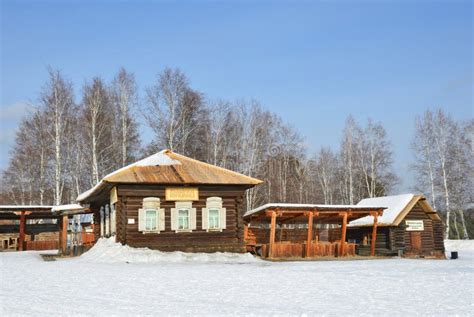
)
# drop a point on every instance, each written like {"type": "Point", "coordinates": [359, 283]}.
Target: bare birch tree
{"type": "Point", "coordinates": [125, 99]}
{"type": "Point", "coordinates": [98, 121]}
{"type": "Point", "coordinates": [58, 100]}
{"type": "Point", "coordinates": [348, 153]}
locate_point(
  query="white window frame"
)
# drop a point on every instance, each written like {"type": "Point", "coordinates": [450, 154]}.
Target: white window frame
{"type": "Point", "coordinates": [184, 219]}
{"type": "Point", "coordinates": [151, 204]}
{"type": "Point", "coordinates": [181, 205]}
{"type": "Point", "coordinates": [218, 218]}
{"type": "Point", "coordinates": [214, 203]}
{"type": "Point", "coordinates": [154, 215]}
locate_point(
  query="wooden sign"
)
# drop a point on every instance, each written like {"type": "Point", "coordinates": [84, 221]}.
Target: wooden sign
{"type": "Point", "coordinates": [181, 193]}
{"type": "Point", "coordinates": [414, 225]}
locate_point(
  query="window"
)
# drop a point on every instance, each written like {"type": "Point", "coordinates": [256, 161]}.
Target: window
{"type": "Point", "coordinates": [214, 215]}
{"type": "Point", "coordinates": [150, 220]}
{"type": "Point", "coordinates": [214, 219]}
{"type": "Point", "coordinates": [183, 219]}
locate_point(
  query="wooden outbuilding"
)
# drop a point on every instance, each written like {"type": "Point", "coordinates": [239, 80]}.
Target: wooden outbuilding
{"type": "Point", "coordinates": [170, 202]}
{"type": "Point", "coordinates": [284, 230]}
{"type": "Point", "coordinates": [36, 227]}
{"type": "Point", "coordinates": [408, 227]}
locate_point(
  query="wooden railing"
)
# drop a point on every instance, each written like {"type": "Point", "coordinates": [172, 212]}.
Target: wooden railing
{"type": "Point", "coordinates": [317, 249]}
{"type": "Point", "coordinates": [42, 245]}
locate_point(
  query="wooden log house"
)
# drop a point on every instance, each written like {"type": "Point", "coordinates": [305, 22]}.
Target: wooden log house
{"type": "Point", "coordinates": [170, 202]}
{"type": "Point", "coordinates": [305, 230]}
{"type": "Point", "coordinates": [408, 227]}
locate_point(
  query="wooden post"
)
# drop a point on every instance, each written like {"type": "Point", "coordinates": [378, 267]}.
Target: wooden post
{"type": "Point", "coordinates": [272, 234]}
{"type": "Point", "coordinates": [374, 235]}
{"type": "Point", "coordinates": [63, 234]}
{"type": "Point", "coordinates": [343, 233]}
{"type": "Point", "coordinates": [309, 239]}
{"type": "Point", "coordinates": [22, 231]}
{"type": "Point", "coordinates": [246, 232]}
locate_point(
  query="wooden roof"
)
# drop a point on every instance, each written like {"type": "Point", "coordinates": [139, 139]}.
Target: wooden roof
{"type": "Point", "coordinates": [326, 213]}
{"type": "Point", "coordinates": [169, 168]}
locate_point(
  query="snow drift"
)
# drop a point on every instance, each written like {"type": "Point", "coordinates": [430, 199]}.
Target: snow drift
{"type": "Point", "coordinates": [109, 251]}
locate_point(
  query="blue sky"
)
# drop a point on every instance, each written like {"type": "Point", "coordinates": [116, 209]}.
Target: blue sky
{"type": "Point", "coordinates": [312, 62]}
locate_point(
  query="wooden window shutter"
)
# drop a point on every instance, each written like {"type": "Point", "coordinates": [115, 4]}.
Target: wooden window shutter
{"type": "Point", "coordinates": [141, 219]}
{"type": "Point", "coordinates": [223, 216]}
{"type": "Point", "coordinates": [192, 218]}
{"type": "Point", "coordinates": [174, 219]}
{"type": "Point", "coordinates": [205, 219]}
{"type": "Point", "coordinates": [161, 219]}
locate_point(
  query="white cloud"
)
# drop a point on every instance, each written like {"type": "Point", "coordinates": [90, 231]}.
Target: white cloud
{"type": "Point", "coordinates": [14, 112]}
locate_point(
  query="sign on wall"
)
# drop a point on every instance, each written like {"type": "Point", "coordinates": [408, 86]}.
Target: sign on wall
{"type": "Point", "coordinates": [414, 225]}
{"type": "Point", "coordinates": [181, 193]}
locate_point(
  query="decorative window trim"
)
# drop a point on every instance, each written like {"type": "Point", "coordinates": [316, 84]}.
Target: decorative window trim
{"type": "Point", "coordinates": [214, 203]}
{"type": "Point", "coordinates": [175, 216]}
{"type": "Point", "coordinates": [149, 204]}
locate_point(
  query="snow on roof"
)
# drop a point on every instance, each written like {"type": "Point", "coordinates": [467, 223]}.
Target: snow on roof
{"type": "Point", "coordinates": [394, 204]}
{"type": "Point", "coordinates": [309, 206]}
{"type": "Point", "coordinates": [67, 207]}
{"type": "Point", "coordinates": [157, 159]}
{"type": "Point", "coordinates": [25, 207]}
{"type": "Point", "coordinates": [167, 167]}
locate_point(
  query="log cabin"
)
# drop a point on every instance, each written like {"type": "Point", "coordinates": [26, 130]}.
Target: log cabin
{"type": "Point", "coordinates": [409, 227]}
{"type": "Point", "coordinates": [170, 202]}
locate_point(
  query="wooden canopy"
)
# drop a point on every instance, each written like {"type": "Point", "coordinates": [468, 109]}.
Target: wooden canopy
{"type": "Point", "coordinates": [169, 168]}
{"type": "Point", "coordinates": [24, 212]}
{"type": "Point", "coordinates": [310, 214]}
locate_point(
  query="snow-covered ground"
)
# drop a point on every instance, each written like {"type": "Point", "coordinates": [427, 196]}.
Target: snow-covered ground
{"type": "Point", "coordinates": [115, 280]}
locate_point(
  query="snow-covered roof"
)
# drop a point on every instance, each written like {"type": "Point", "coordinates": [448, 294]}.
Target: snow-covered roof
{"type": "Point", "coordinates": [395, 206]}
{"type": "Point", "coordinates": [24, 207]}
{"type": "Point", "coordinates": [69, 207]}
{"type": "Point", "coordinates": [157, 159]}
{"type": "Point", "coordinates": [167, 167]}
{"type": "Point", "coordinates": [310, 206]}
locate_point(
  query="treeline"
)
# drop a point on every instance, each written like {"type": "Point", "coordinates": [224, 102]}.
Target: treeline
{"type": "Point", "coordinates": [65, 147]}
{"type": "Point", "coordinates": [444, 168]}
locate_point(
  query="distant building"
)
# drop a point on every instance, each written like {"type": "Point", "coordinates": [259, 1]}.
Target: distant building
{"type": "Point", "coordinates": [409, 227]}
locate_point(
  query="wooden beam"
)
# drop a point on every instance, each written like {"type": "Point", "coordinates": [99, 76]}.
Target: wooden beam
{"type": "Point", "coordinates": [374, 235]}
{"type": "Point", "coordinates": [309, 239]}
{"type": "Point", "coordinates": [343, 233]}
{"type": "Point", "coordinates": [63, 234]}
{"type": "Point", "coordinates": [246, 232]}
{"type": "Point", "coordinates": [21, 239]}
{"type": "Point", "coordinates": [272, 234]}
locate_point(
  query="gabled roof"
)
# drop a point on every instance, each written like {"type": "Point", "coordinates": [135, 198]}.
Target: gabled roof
{"type": "Point", "coordinates": [398, 207]}
{"type": "Point", "coordinates": [169, 168]}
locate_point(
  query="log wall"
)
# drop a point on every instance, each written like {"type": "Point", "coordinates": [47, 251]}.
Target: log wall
{"type": "Point", "coordinates": [130, 199]}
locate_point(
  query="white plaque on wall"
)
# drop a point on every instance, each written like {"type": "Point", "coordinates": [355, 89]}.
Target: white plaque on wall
{"type": "Point", "coordinates": [131, 221]}
{"type": "Point", "coordinates": [414, 225]}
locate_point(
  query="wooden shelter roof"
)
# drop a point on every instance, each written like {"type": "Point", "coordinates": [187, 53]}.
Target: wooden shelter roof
{"type": "Point", "coordinates": [169, 168]}
{"type": "Point", "coordinates": [42, 211]}
{"type": "Point", "coordinates": [326, 213]}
